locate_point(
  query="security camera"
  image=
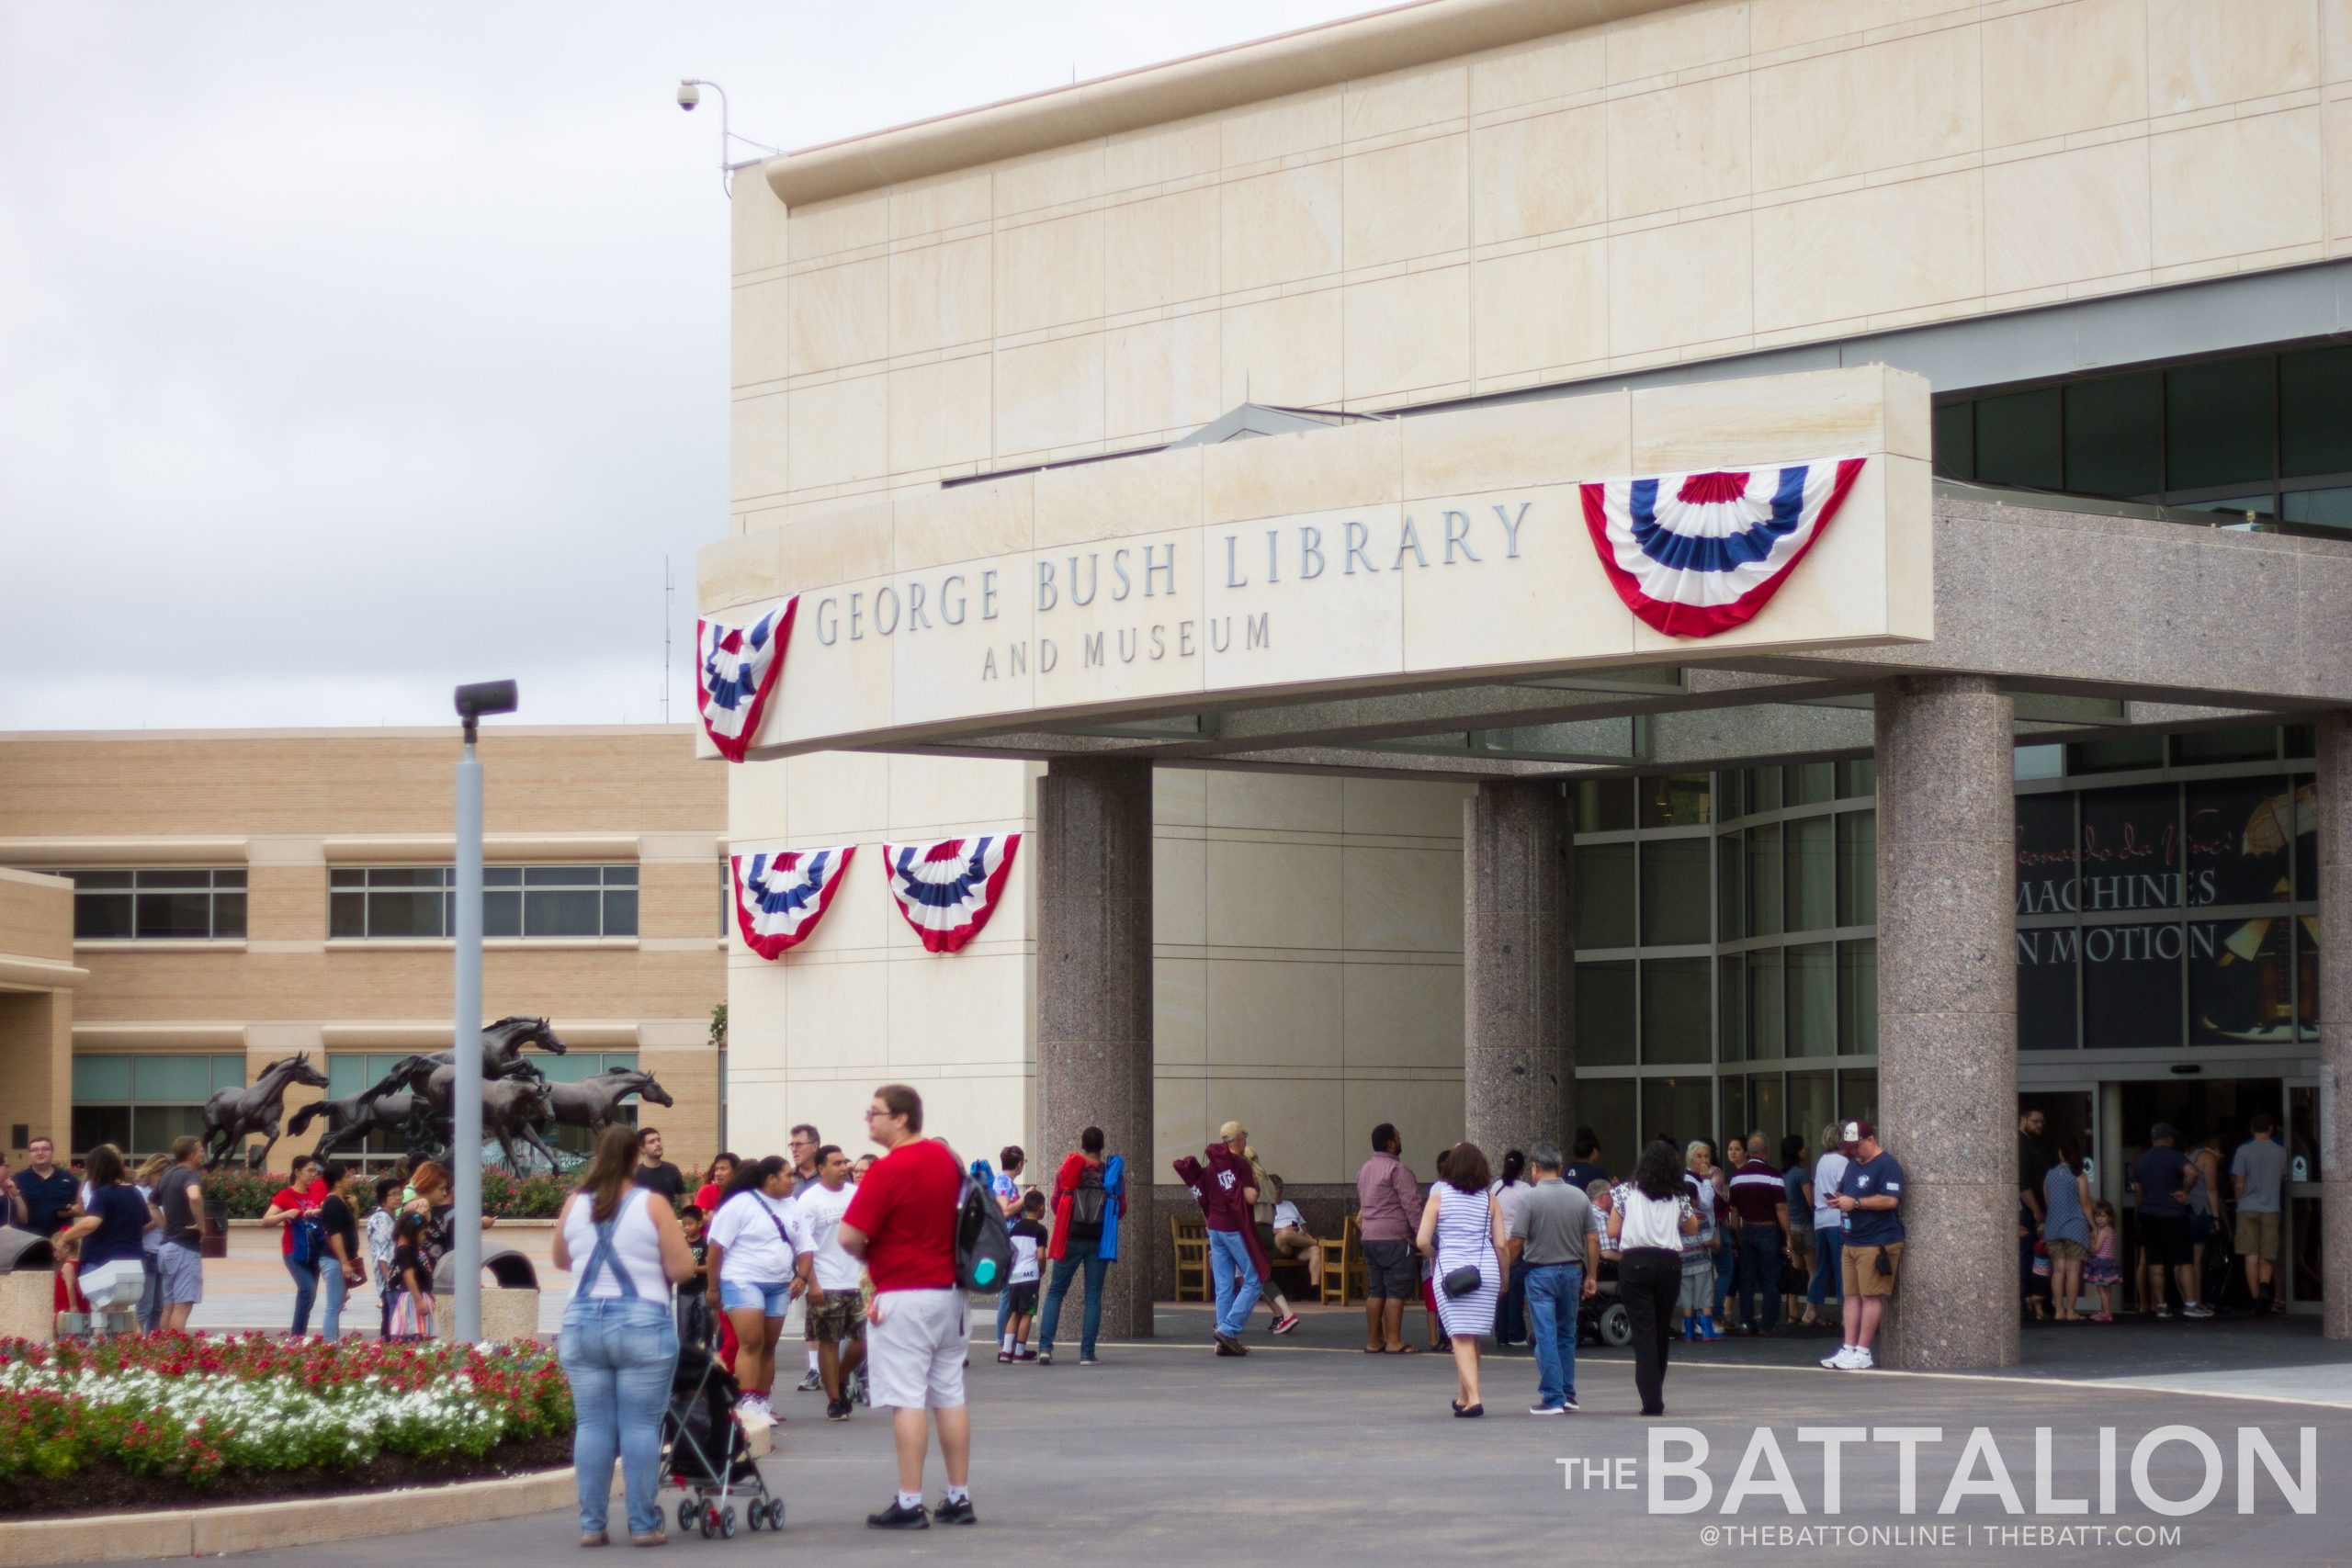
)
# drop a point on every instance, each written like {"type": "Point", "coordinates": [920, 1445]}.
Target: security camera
{"type": "Point", "coordinates": [689, 94]}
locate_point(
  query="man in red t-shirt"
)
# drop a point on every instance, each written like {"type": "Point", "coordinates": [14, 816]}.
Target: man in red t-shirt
{"type": "Point", "coordinates": [902, 1223]}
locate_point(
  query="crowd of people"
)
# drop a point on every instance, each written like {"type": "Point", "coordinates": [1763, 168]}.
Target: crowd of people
{"type": "Point", "coordinates": [857, 1258]}
{"type": "Point", "coordinates": [1521, 1255]}
{"type": "Point", "coordinates": [2209, 1225]}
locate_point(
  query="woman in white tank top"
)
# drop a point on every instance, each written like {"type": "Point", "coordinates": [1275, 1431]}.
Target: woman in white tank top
{"type": "Point", "coordinates": [623, 1248]}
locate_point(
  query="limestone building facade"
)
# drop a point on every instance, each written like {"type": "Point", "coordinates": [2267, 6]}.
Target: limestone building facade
{"type": "Point", "coordinates": [2098, 247]}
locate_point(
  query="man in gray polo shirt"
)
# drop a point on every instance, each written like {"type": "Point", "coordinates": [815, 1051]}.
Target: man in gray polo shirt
{"type": "Point", "coordinates": [1559, 1237]}
{"type": "Point", "coordinates": [2256, 1171]}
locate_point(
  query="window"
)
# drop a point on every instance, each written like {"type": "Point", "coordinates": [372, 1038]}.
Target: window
{"type": "Point", "coordinates": [1674, 892]}
{"type": "Point", "coordinates": [1858, 868]}
{"type": "Point", "coordinates": [191, 903]}
{"type": "Point", "coordinates": [1605, 1014]}
{"type": "Point", "coordinates": [2218, 423]}
{"type": "Point", "coordinates": [1677, 1023]}
{"type": "Point", "coordinates": [1809, 875]}
{"type": "Point", "coordinates": [1604, 911]}
{"type": "Point", "coordinates": [2115, 429]}
{"type": "Point", "coordinates": [2259, 433]}
{"type": "Point", "coordinates": [2017, 440]}
{"type": "Point", "coordinates": [379, 903]}
{"type": "Point", "coordinates": [1812, 990]}
{"type": "Point", "coordinates": [141, 1103]}
{"type": "Point", "coordinates": [1675, 800]}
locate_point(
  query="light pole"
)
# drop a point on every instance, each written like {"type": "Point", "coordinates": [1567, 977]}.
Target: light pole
{"type": "Point", "coordinates": [464, 1056]}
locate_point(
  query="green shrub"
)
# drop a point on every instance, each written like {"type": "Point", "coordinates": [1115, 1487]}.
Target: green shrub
{"type": "Point", "coordinates": [248, 1192]}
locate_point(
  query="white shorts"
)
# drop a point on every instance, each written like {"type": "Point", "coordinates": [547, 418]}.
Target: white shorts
{"type": "Point", "coordinates": [915, 1349]}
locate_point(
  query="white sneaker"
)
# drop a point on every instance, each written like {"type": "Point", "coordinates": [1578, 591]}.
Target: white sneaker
{"type": "Point", "coordinates": [1836, 1360]}
{"type": "Point", "coordinates": [2200, 1310]}
{"type": "Point", "coordinates": [1857, 1360]}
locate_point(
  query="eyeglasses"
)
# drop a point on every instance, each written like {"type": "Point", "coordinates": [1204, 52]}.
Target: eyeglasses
{"type": "Point", "coordinates": [874, 1110]}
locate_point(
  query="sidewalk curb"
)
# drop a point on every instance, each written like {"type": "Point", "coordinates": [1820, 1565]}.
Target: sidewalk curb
{"type": "Point", "coordinates": [253, 1527]}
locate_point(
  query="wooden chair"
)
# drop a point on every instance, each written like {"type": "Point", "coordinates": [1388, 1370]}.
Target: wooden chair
{"type": "Point", "coordinates": [1192, 1239]}
{"type": "Point", "coordinates": [1343, 1265]}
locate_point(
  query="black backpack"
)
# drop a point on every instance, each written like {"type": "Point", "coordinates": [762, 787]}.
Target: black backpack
{"type": "Point", "coordinates": [1089, 1206]}
{"type": "Point", "coordinates": [983, 1245]}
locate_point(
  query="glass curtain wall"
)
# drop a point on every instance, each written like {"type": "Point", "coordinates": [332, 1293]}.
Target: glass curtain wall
{"type": "Point", "coordinates": [1725, 963]}
{"type": "Point", "coordinates": [1725, 925]}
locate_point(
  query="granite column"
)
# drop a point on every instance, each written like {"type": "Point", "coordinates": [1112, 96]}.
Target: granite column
{"type": "Point", "coordinates": [1094, 1061]}
{"type": "Point", "coordinates": [1947, 1004]}
{"type": "Point", "coordinates": [2333, 1134]}
{"type": "Point", "coordinates": [1518, 969]}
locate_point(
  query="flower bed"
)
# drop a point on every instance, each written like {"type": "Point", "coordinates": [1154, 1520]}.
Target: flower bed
{"type": "Point", "coordinates": [149, 1422]}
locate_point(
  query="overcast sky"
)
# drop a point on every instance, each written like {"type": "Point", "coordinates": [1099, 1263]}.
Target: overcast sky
{"type": "Point", "coordinates": [347, 355]}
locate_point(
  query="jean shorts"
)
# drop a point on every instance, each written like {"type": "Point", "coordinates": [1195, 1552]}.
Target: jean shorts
{"type": "Point", "coordinates": [770, 1299]}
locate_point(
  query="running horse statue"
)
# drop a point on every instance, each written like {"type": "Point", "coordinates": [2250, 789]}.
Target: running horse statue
{"type": "Point", "coordinates": [417, 1096]}
{"type": "Point", "coordinates": [595, 1103]}
{"type": "Point", "coordinates": [231, 1114]}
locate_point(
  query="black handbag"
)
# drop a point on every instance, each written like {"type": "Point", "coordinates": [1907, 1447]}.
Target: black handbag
{"type": "Point", "coordinates": [1464, 1282]}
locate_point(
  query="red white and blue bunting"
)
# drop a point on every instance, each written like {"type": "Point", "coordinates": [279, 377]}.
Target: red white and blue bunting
{"type": "Point", "coordinates": [780, 897]}
{"type": "Point", "coordinates": [1696, 554]}
{"type": "Point", "coordinates": [949, 887]}
{"type": "Point", "coordinates": [735, 669]}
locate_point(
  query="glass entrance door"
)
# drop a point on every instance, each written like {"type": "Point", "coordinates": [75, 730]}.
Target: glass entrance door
{"type": "Point", "coordinates": [2212, 1114]}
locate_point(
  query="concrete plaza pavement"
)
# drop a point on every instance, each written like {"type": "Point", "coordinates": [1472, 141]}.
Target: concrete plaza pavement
{"type": "Point", "coordinates": [1310, 1451]}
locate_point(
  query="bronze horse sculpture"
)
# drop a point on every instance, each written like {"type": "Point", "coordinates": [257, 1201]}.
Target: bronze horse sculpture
{"type": "Point", "coordinates": [231, 1114]}
{"type": "Point", "coordinates": [514, 1092]}
{"type": "Point", "coordinates": [595, 1103]}
{"type": "Point", "coordinates": [351, 1120]}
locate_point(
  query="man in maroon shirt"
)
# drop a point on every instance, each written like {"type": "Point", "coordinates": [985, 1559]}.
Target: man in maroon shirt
{"type": "Point", "coordinates": [1761, 1199]}
{"type": "Point", "coordinates": [902, 1223]}
{"type": "Point", "coordinates": [1388, 1213]}
{"type": "Point", "coordinates": [1228, 1199]}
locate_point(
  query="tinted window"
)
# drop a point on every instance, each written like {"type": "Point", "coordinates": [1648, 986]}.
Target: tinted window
{"type": "Point", "coordinates": [2218, 422]}
{"type": "Point", "coordinates": [2018, 442]}
{"type": "Point", "coordinates": [2115, 436]}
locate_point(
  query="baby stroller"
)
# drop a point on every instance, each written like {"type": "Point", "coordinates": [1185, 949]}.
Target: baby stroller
{"type": "Point", "coordinates": [707, 1457]}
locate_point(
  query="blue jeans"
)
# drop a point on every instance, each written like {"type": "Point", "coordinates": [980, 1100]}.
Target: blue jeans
{"type": "Point", "coordinates": [306, 1291]}
{"type": "Point", "coordinates": [151, 1296]}
{"type": "Point", "coordinates": [1828, 1264]}
{"type": "Point", "coordinates": [1555, 1297]}
{"type": "Point", "coordinates": [1511, 1311]}
{"type": "Point", "coordinates": [1049, 1321]}
{"type": "Point", "coordinates": [618, 1353]}
{"type": "Point", "coordinates": [1760, 1272]}
{"type": "Point", "coordinates": [337, 1289]}
{"type": "Point", "coordinates": [1229, 1262]}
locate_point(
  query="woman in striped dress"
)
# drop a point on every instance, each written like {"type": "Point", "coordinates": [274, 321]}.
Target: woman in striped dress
{"type": "Point", "coordinates": [1462, 1227]}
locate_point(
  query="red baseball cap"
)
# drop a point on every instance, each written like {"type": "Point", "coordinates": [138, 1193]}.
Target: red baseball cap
{"type": "Point", "coordinates": [1856, 1130]}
